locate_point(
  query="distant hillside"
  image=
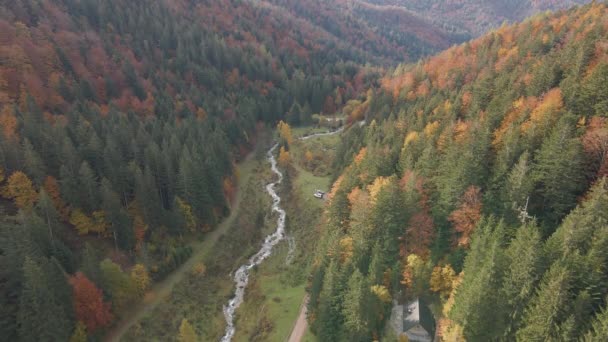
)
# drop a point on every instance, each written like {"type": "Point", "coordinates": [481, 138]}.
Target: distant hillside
{"type": "Point", "coordinates": [476, 17]}
{"type": "Point", "coordinates": [385, 34]}
{"type": "Point", "coordinates": [488, 159]}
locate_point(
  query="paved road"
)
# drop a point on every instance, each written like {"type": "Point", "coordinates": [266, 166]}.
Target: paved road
{"type": "Point", "coordinates": [299, 329]}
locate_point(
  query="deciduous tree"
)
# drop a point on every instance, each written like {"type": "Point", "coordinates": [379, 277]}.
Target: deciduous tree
{"type": "Point", "coordinates": [89, 306]}
{"type": "Point", "coordinates": [467, 215]}
{"type": "Point", "coordinates": [20, 188]}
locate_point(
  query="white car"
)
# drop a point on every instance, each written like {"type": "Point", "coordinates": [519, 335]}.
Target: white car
{"type": "Point", "coordinates": [319, 194]}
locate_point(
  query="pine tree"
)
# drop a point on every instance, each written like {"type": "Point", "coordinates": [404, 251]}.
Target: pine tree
{"type": "Point", "coordinates": [548, 307]}
{"type": "Point", "coordinates": [599, 328]}
{"type": "Point", "coordinates": [33, 163]}
{"type": "Point", "coordinates": [478, 306]}
{"type": "Point", "coordinates": [41, 316]}
{"type": "Point", "coordinates": [558, 174]}
{"type": "Point", "coordinates": [354, 307]}
{"type": "Point", "coordinates": [525, 262]}
{"type": "Point", "coordinates": [88, 186]}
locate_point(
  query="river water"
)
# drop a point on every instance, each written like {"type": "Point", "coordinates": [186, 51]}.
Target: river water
{"type": "Point", "coordinates": [241, 276]}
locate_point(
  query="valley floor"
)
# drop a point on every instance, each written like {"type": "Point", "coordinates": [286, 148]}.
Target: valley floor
{"type": "Point", "coordinates": [276, 290]}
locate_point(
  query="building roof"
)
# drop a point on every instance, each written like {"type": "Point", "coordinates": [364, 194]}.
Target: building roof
{"type": "Point", "coordinates": [416, 312]}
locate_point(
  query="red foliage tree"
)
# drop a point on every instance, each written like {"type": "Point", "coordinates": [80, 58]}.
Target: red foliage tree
{"type": "Point", "coordinates": [51, 186]}
{"type": "Point", "coordinates": [595, 145]}
{"type": "Point", "coordinates": [420, 229]}
{"type": "Point", "coordinates": [465, 218]}
{"type": "Point", "coordinates": [88, 303]}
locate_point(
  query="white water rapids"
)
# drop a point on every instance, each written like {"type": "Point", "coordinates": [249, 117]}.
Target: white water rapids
{"type": "Point", "coordinates": [241, 276]}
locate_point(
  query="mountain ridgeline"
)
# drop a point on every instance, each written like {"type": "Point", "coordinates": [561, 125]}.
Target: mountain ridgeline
{"type": "Point", "coordinates": [475, 17]}
{"type": "Point", "coordinates": [478, 184]}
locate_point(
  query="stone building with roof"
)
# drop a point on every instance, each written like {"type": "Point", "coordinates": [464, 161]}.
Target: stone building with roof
{"type": "Point", "coordinates": [415, 320]}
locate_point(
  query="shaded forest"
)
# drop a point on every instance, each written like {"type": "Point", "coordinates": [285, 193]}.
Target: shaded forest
{"type": "Point", "coordinates": [479, 185]}
{"type": "Point", "coordinates": [121, 124]}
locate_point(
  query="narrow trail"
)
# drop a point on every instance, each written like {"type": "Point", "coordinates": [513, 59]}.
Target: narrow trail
{"type": "Point", "coordinates": [299, 328]}
{"type": "Point", "coordinates": [164, 288]}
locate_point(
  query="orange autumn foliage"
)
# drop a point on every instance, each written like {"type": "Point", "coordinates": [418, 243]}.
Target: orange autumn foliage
{"type": "Point", "coordinates": [595, 144]}
{"type": "Point", "coordinates": [465, 217]}
{"type": "Point", "coordinates": [51, 186]}
{"type": "Point", "coordinates": [360, 156]}
{"type": "Point", "coordinates": [8, 123]}
{"type": "Point", "coordinates": [377, 186]}
{"type": "Point", "coordinates": [546, 111]}
{"type": "Point", "coordinates": [20, 189]}
{"type": "Point", "coordinates": [89, 306]}
{"type": "Point", "coordinates": [420, 230]}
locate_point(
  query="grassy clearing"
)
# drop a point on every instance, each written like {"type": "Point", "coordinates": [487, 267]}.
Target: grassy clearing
{"type": "Point", "coordinates": [272, 301]}
{"type": "Point", "coordinates": [307, 130]}
{"type": "Point", "coordinates": [275, 291]}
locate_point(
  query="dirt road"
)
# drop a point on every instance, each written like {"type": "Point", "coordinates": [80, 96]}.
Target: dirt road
{"type": "Point", "coordinates": [163, 289]}
{"type": "Point", "coordinates": [299, 329]}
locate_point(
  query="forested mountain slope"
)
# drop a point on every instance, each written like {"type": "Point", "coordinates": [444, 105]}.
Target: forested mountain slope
{"type": "Point", "coordinates": [477, 184]}
{"type": "Point", "coordinates": [384, 34]}
{"type": "Point", "coordinates": [476, 17]}
{"type": "Point", "coordinates": [121, 122]}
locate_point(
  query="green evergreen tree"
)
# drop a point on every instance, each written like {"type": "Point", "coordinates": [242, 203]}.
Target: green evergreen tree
{"type": "Point", "coordinates": [41, 317]}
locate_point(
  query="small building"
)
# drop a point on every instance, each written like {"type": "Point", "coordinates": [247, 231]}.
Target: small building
{"type": "Point", "coordinates": [415, 320]}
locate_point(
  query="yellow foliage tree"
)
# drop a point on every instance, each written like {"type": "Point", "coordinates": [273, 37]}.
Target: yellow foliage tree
{"type": "Point", "coordinates": [360, 156]}
{"type": "Point", "coordinates": [186, 332]}
{"type": "Point", "coordinates": [546, 112]}
{"type": "Point", "coordinates": [8, 123]}
{"type": "Point", "coordinates": [403, 338]}
{"type": "Point", "coordinates": [21, 190]}
{"type": "Point", "coordinates": [382, 293]}
{"type": "Point", "coordinates": [442, 280]}
{"type": "Point", "coordinates": [284, 158]}
{"type": "Point", "coordinates": [346, 249]}
{"type": "Point", "coordinates": [85, 224]}
{"type": "Point", "coordinates": [186, 210]}
{"type": "Point", "coordinates": [80, 333]}
{"type": "Point", "coordinates": [140, 278]}
{"type": "Point", "coordinates": [308, 156]}
{"type": "Point", "coordinates": [100, 224]}
{"type": "Point", "coordinates": [411, 137]}
{"type": "Point", "coordinates": [81, 221]}
{"type": "Point", "coordinates": [448, 329]}
{"type": "Point", "coordinates": [431, 128]}
{"type": "Point", "coordinates": [375, 188]}
{"type": "Point", "coordinates": [285, 132]}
